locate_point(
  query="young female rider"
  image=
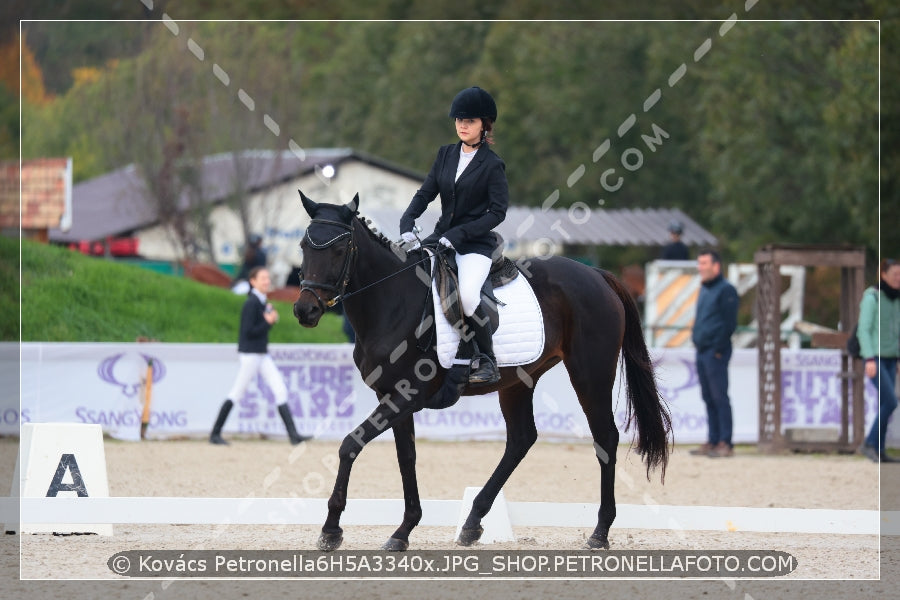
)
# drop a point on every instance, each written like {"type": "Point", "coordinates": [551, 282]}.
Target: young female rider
{"type": "Point", "coordinates": [471, 180]}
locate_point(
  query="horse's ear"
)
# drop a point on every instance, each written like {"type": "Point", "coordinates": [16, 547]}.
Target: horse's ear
{"type": "Point", "coordinates": [310, 206]}
{"type": "Point", "coordinates": [353, 205]}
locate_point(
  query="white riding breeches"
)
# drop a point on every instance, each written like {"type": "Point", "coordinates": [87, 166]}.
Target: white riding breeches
{"type": "Point", "coordinates": [250, 365]}
{"type": "Point", "coordinates": [473, 271]}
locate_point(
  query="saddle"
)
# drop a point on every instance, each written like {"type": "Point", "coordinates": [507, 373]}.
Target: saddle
{"type": "Point", "coordinates": [446, 278]}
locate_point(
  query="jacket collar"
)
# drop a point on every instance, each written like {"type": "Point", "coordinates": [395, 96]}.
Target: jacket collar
{"type": "Point", "coordinates": [472, 166]}
{"type": "Point", "coordinates": [712, 282]}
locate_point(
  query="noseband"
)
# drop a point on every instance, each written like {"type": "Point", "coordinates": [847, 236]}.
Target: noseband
{"type": "Point", "coordinates": [340, 287]}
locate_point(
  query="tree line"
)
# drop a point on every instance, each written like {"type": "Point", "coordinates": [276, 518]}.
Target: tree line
{"type": "Point", "coordinates": [767, 133]}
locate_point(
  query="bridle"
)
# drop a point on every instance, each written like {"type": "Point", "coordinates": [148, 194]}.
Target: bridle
{"type": "Point", "coordinates": [344, 278]}
{"type": "Point", "coordinates": [340, 291]}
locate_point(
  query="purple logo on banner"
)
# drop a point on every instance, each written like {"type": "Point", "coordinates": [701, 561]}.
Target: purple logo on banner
{"type": "Point", "coordinates": [114, 371]}
{"type": "Point", "coordinates": [680, 384]}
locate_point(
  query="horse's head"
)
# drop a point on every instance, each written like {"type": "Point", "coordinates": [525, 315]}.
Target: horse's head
{"type": "Point", "coordinates": [328, 249]}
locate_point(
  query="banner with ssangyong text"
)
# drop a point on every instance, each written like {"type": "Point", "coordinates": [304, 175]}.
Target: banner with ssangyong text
{"type": "Point", "coordinates": [106, 384]}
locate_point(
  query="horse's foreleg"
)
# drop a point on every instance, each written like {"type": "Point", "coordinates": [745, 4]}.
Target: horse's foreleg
{"type": "Point", "coordinates": [521, 434]}
{"type": "Point", "coordinates": [384, 416]}
{"type": "Point", "coordinates": [405, 440]}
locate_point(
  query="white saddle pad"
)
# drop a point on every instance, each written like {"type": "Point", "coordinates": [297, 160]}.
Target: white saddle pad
{"type": "Point", "coordinates": [519, 339]}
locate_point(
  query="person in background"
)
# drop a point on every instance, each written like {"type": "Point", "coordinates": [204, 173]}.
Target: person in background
{"type": "Point", "coordinates": [675, 249]}
{"type": "Point", "coordinates": [257, 317]}
{"type": "Point", "coordinates": [878, 331]}
{"type": "Point", "coordinates": [714, 323]}
{"type": "Point", "coordinates": [254, 256]}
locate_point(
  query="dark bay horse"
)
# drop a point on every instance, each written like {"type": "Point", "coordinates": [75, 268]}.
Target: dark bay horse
{"type": "Point", "coordinates": [588, 318]}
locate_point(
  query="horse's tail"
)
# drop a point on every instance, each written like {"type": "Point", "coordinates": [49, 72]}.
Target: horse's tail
{"type": "Point", "coordinates": [645, 405]}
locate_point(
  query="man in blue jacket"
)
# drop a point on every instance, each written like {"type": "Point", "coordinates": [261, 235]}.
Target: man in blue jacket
{"type": "Point", "coordinates": [715, 321]}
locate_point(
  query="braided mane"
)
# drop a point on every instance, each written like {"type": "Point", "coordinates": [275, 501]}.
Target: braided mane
{"type": "Point", "coordinates": [378, 236]}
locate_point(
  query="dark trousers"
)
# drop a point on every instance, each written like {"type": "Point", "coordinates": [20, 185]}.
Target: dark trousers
{"type": "Point", "coordinates": [713, 374]}
{"type": "Point", "coordinates": [887, 401]}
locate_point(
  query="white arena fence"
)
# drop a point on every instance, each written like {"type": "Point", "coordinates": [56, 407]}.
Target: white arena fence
{"type": "Point", "coordinates": [59, 462]}
{"type": "Point", "coordinates": [446, 513]}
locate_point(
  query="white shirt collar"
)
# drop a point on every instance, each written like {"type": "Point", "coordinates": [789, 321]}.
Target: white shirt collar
{"type": "Point", "coordinates": [259, 294]}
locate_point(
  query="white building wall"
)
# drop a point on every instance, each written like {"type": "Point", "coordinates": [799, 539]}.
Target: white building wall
{"type": "Point", "coordinates": [278, 215]}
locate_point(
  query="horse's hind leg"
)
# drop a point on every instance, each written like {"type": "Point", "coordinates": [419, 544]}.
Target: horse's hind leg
{"type": "Point", "coordinates": [405, 440]}
{"type": "Point", "coordinates": [516, 406]}
{"type": "Point", "coordinates": [594, 390]}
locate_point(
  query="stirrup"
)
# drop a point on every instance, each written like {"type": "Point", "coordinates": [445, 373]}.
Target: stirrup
{"type": "Point", "coordinates": [484, 371]}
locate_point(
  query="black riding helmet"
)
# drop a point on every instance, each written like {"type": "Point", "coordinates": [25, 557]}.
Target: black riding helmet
{"type": "Point", "coordinates": [676, 227]}
{"type": "Point", "coordinates": [473, 103]}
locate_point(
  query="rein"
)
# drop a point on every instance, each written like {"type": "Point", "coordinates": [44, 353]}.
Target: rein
{"type": "Point", "coordinates": [344, 278]}
{"type": "Point", "coordinates": [340, 297]}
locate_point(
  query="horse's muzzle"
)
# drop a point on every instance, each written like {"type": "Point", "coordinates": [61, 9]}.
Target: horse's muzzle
{"type": "Point", "coordinates": [307, 313]}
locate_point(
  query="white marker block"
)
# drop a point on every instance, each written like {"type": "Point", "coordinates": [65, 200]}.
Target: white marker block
{"type": "Point", "coordinates": [496, 524]}
{"type": "Point", "coordinates": [62, 460]}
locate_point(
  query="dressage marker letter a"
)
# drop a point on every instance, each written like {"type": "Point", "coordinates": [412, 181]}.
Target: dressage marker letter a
{"type": "Point", "coordinates": [67, 463]}
{"type": "Point", "coordinates": [49, 469]}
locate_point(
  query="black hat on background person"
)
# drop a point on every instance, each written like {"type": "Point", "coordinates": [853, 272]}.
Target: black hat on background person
{"type": "Point", "coordinates": [675, 249]}
{"type": "Point", "coordinates": [676, 227]}
{"type": "Point", "coordinates": [254, 256]}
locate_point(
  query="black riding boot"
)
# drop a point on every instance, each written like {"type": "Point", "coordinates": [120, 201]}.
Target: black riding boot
{"type": "Point", "coordinates": [286, 416]}
{"type": "Point", "coordinates": [484, 365]}
{"type": "Point", "coordinates": [216, 436]}
{"type": "Point", "coordinates": [456, 379]}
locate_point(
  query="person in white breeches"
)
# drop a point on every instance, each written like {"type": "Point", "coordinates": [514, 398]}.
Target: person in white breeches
{"type": "Point", "coordinates": [257, 317]}
{"type": "Point", "coordinates": [250, 365]}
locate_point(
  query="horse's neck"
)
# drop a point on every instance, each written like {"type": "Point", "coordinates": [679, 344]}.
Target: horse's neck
{"type": "Point", "coordinates": [390, 295]}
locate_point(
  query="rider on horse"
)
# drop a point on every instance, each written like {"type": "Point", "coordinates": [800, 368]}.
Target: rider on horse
{"type": "Point", "coordinates": [471, 180]}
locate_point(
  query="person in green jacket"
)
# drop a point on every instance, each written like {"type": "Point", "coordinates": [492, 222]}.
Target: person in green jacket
{"type": "Point", "coordinates": [879, 343]}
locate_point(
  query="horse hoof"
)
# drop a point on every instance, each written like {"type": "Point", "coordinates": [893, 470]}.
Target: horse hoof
{"type": "Point", "coordinates": [329, 542]}
{"type": "Point", "coordinates": [597, 543]}
{"type": "Point", "coordinates": [395, 545]}
{"type": "Point", "coordinates": [467, 537]}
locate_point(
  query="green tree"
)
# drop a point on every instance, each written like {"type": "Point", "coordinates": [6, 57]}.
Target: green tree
{"type": "Point", "coordinates": [766, 140]}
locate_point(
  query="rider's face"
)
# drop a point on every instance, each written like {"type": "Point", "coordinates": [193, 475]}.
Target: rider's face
{"type": "Point", "coordinates": [469, 130]}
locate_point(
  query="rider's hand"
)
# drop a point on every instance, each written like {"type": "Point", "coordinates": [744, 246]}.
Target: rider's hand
{"type": "Point", "coordinates": [445, 242]}
{"type": "Point", "coordinates": [408, 236]}
{"type": "Point", "coordinates": [270, 314]}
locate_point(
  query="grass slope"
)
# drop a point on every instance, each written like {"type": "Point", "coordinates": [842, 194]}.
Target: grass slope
{"type": "Point", "coordinates": [9, 289]}
{"type": "Point", "coordinates": [68, 297]}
